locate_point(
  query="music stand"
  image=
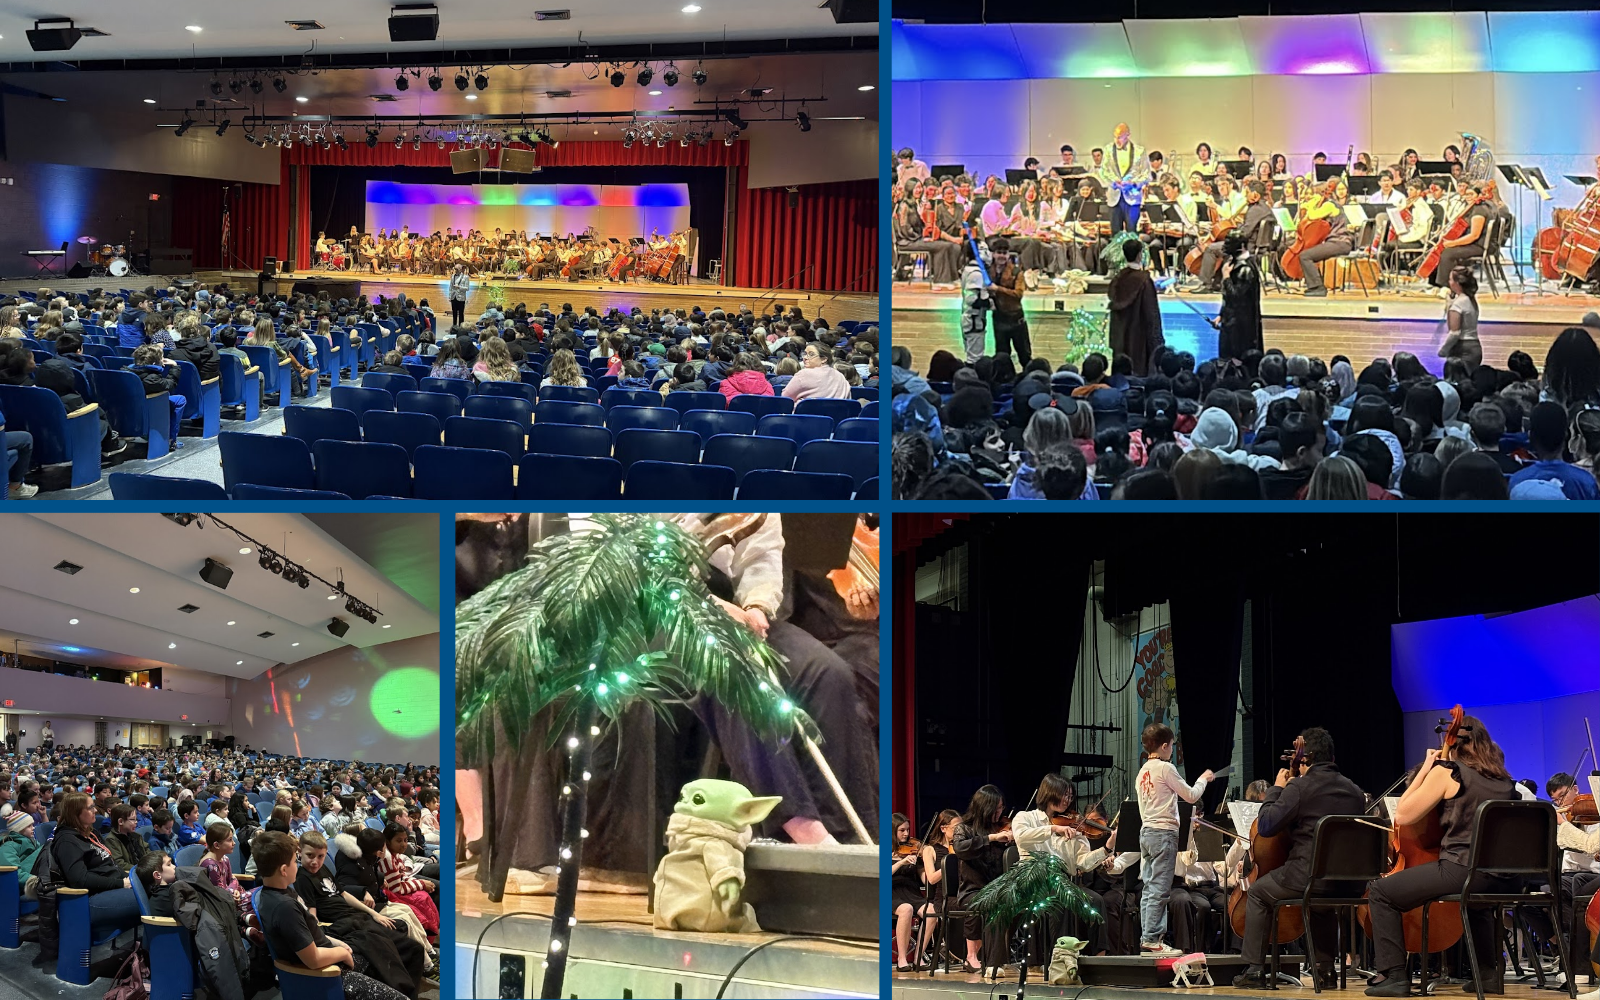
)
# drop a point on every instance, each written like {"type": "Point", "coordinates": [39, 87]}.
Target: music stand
{"type": "Point", "coordinates": [1582, 180]}
{"type": "Point", "coordinates": [1519, 179]}
{"type": "Point", "coordinates": [939, 170]}
{"type": "Point", "coordinates": [1129, 826]}
{"type": "Point", "coordinates": [1328, 171]}
{"type": "Point", "coordinates": [1015, 177]}
{"type": "Point", "coordinates": [1240, 169]}
{"type": "Point", "coordinates": [1433, 167]}
{"type": "Point", "coordinates": [1361, 187]}
{"type": "Point", "coordinates": [1063, 171]}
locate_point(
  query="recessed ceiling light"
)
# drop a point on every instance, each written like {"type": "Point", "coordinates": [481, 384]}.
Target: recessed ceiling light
{"type": "Point", "coordinates": [388, 626]}
{"type": "Point", "coordinates": [472, 97]}
{"type": "Point", "coordinates": [333, 597]}
{"type": "Point", "coordinates": [294, 644]}
{"type": "Point", "coordinates": [244, 551]}
{"type": "Point", "coordinates": [238, 663]}
{"type": "Point", "coordinates": [191, 27]}
{"type": "Point", "coordinates": [72, 621]}
{"type": "Point", "coordinates": [172, 645]}
{"type": "Point", "coordinates": [233, 623]}
{"type": "Point", "coordinates": [133, 590]}
{"type": "Point", "coordinates": [866, 86]}
{"type": "Point", "coordinates": [693, 8]}
{"type": "Point", "coordinates": [302, 100]}
{"type": "Point", "coordinates": [655, 93]}
{"type": "Point", "coordinates": [149, 100]}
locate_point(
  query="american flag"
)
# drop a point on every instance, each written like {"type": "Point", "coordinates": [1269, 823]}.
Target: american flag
{"type": "Point", "coordinates": [225, 231]}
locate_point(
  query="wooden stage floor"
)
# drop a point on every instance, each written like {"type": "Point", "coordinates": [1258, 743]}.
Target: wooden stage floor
{"type": "Point", "coordinates": [1357, 326]}
{"type": "Point", "coordinates": [958, 986]}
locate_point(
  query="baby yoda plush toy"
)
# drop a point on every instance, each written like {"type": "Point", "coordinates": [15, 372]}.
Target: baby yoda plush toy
{"type": "Point", "coordinates": [699, 882]}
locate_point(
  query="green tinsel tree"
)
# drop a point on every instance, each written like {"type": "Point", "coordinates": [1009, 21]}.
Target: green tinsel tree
{"type": "Point", "coordinates": [1112, 253]}
{"type": "Point", "coordinates": [1088, 332]}
{"type": "Point", "coordinates": [1038, 885]}
{"type": "Point", "coordinates": [594, 622]}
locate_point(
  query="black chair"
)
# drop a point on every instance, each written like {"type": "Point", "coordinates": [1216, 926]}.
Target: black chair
{"type": "Point", "coordinates": [1343, 849]}
{"type": "Point", "coordinates": [1510, 838]}
{"type": "Point", "coordinates": [951, 880]}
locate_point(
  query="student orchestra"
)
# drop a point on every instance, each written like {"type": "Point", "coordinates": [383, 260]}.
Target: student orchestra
{"type": "Point", "coordinates": [1171, 897]}
{"type": "Point", "coordinates": [1061, 217]}
{"type": "Point", "coordinates": [509, 254]}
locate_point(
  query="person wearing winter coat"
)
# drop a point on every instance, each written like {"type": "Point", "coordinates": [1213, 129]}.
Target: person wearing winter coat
{"type": "Point", "coordinates": [392, 956]}
{"type": "Point", "coordinates": [17, 846]}
{"type": "Point", "coordinates": [207, 913]}
{"type": "Point", "coordinates": [357, 877]}
{"type": "Point", "coordinates": [128, 847]}
{"type": "Point", "coordinates": [746, 377]}
{"type": "Point", "coordinates": [197, 349]}
{"type": "Point", "coordinates": [160, 374]}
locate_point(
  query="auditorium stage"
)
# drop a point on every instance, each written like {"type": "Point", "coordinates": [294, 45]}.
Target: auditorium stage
{"type": "Point", "coordinates": [1359, 327]}
{"type": "Point", "coordinates": [973, 988]}
{"type": "Point", "coordinates": [614, 948]}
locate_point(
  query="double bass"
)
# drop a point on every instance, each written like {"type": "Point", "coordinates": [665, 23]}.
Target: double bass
{"type": "Point", "coordinates": [1416, 844]}
{"type": "Point", "coordinates": [1267, 854]}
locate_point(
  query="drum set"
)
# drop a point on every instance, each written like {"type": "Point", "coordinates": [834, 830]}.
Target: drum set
{"type": "Point", "coordinates": [111, 259]}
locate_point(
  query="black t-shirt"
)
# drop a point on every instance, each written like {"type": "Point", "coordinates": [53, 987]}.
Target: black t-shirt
{"type": "Point", "coordinates": [1283, 484]}
{"type": "Point", "coordinates": [1484, 212]}
{"type": "Point", "coordinates": [321, 893]}
{"type": "Point", "coordinates": [1509, 465]}
{"type": "Point", "coordinates": [288, 925]}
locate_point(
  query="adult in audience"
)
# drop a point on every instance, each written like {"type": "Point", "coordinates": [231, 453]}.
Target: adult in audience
{"type": "Point", "coordinates": [85, 862]}
{"type": "Point", "coordinates": [817, 378]}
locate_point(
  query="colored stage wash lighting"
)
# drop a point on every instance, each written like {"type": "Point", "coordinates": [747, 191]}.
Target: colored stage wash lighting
{"type": "Point", "coordinates": [405, 701]}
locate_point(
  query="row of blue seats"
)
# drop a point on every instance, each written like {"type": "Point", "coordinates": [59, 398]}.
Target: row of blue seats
{"type": "Point", "coordinates": [257, 467]}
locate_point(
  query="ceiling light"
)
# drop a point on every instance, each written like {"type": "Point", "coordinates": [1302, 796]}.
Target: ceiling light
{"type": "Point", "coordinates": [72, 621]}
{"type": "Point", "coordinates": [192, 27]}
{"type": "Point", "coordinates": [255, 85]}
{"type": "Point", "coordinates": [233, 623]}
{"type": "Point", "coordinates": [238, 663]}
{"type": "Point", "coordinates": [294, 644]}
{"type": "Point", "coordinates": [646, 75]}
{"type": "Point", "coordinates": [655, 93]}
{"type": "Point", "coordinates": [481, 81]}
{"type": "Point", "coordinates": [803, 120]}
{"type": "Point", "coordinates": [235, 85]}
{"type": "Point", "coordinates": [670, 76]}
{"type": "Point", "coordinates": [216, 87]}
{"type": "Point", "coordinates": [149, 100]}
{"type": "Point", "coordinates": [172, 645]}
{"type": "Point", "coordinates": [400, 81]}
{"type": "Point", "coordinates": [462, 81]}
{"type": "Point", "coordinates": [699, 77]}
{"type": "Point", "coordinates": [133, 590]}
{"type": "Point", "coordinates": [388, 626]}
{"type": "Point", "coordinates": [301, 100]}
{"type": "Point", "coordinates": [244, 551]}
{"type": "Point", "coordinates": [618, 78]}
{"type": "Point", "coordinates": [333, 597]}
{"type": "Point", "coordinates": [866, 87]}
{"type": "Point", "coordinates": [472, 97]}
{"type": "Point", "coordinates": [693, 8]}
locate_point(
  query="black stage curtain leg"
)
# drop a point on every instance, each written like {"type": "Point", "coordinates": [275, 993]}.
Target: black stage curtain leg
{"type": "Point", "coordinates": [1207, 628]}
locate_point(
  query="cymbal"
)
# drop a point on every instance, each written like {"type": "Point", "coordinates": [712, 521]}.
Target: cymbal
{"type": "Point", "coordinates": [87, 239]}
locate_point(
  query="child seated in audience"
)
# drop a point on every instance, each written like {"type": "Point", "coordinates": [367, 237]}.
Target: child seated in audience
{"type": "Point", "coordinates": [393, 363]}
{"type": "Point", "coordinates": [219, 868]}
{"type": "Point", "coordinates": [160, 374]}
{"type": "Point", "coordinates": [396, 958]}
{"type": "Point", "coordinates": [156, 873]}
{"type": "Point", "coordinates": [158, 836]}
{"type": "Point", "coordinates": [300, 821]}
{"type": "Point", "coordinates": [190, 830]}
{"type": "Point", "coordinates": [218, 814]}
{"type": "Point", "coordinates": [128, 848]}
{"type": "Point", "coordinates": [293, 933]}
{"type": "Point", "coordinates": [394, 866]}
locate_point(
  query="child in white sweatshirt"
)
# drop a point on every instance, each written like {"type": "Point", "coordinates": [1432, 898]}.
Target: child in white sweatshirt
{"type": "Point", "coordinates": [1158, 787]}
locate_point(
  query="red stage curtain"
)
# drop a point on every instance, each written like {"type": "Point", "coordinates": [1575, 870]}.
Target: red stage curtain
{"type": "Point", "coordinates": [568, 154]}
{"type": "Point", "coordinates": [259, 221]}
{"type": "Point", "coordinates": [834, 229]}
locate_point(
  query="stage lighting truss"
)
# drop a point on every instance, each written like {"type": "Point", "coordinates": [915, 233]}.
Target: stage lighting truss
{"type": "Point", "coordinates": [658, 129]}
{"type": "Point", "coordinates": [278, 564]}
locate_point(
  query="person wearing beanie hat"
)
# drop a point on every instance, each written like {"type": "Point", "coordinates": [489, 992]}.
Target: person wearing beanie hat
{"type": "Point", "coordinates": [17, 846]}
{"type": "Point", "coordinates": [1547, 439]}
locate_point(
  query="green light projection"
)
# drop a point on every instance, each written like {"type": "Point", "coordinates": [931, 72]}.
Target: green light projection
{"type": "Point", "coordinates": [405, 701]}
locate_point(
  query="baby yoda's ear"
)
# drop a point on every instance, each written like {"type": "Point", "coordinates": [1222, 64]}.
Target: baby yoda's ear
{"type": "Point", "coordinates": [749, 812]}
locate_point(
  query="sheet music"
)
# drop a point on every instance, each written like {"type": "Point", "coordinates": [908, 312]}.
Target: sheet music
{"type": "Point", "coordinates": [1594, 784]}
{"type": "Point", "coordinates": [1244, 814]}
{"type": "Point", "coordinates": [1355, 216]}
{"type": "Point", "coordinates": [1391, 803]}
{"type": "Point", "coordinates": [1284, 221]}
{"type": "Point", "coordinates": [1395, 221]}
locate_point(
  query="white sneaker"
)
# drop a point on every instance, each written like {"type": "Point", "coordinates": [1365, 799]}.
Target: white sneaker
{"type": "Point", "coordinates": [1158, 951]}
{"type": "Point", "coordinates": [22, 491]}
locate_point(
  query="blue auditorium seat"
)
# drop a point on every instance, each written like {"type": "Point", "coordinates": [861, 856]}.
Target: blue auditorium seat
{"type": "Point", "coordinates": [868, 490]}
{"type": "Point", "coordinates": [59, 438]}
{"type": "Point", "coordinates": [836, 409]}
{"type": "Point", "coordinates": [133, 414]}
{"type": "Point", "coordinates": [629, 397]}
{"type": "Point", "coordinates": [856, 459]}
{"type": "Point", "coordinates": [360, 469]}
{"type": "Point", "coordinates": [274, 496]}
{"type": "Point", "coordinates": [661, 418]}
{"type": "Point", "coordinates": [761, 405]}
{"type": "Point", "coordinates": [171, 949]}
{"type": "Point", "coordinates": [520, 390]}
{"type": "Point", "coordinates": [870, 409]}
{"type": "Point", "coordinates": [775, 486]}
{"type": "Point", "coordinates": [462, 474]}
{"type": "Point", "coordinates": [602, 382]}
{"type": "Point", "coordinates": [708, 423]}
{"type": "Point", "coordinates": [679, 482]}
{"type": "Point", "coordinates": [685, 401]}
{"type": "Point", "coordinates": [797, 427]}
{"type": "Point", "coordinates": [460, 388]}
{"type": "Point", "coordinates": [408, 430]}
{"type": "Point", "coordinates": [641, 443]}
{"type": "Point", "coordinates": [741, 453]}
{"type": "Point", "coordinates": [442, 405]}
{"type": "Point", "coordinates": [511, 408]}
{"type": "Point", "coordinates": [568, 479]}
{"type": "Point", "coordinates": [238, 388]}
{"type": "Point", "coordinates": [569, 393]}
{"type": "Point", "coordinates": [484, 432]}
{"type": "Point", "coordinates": [317, 423]}
{"type": "Point", "coordinates": [359, 399]}
{"type": "Point", "coordinates": [149, 488]}
{"type": "Point", "coordinates": [864, 392]}
{"type": "Point", "coordinates": [202, 400]}
{"type": "Point", "coordinates": [565, 412]}
{"type": "Point", "coordinates": [389, 381]}
{"type": "Point", "coordinates": [265, 460]}
{"type": "Point", "coordinates": [327, 359]}
{"type": "Point", "coordinates": [857, 429]}
{"type": "Point", "coordinates": [276, 376]}
{"type": "Point", "coordinates": [570, 439]}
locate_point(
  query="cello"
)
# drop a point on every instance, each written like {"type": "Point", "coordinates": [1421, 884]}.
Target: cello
{"type": "Point", "coordinates": [1456, 230]}
{"type": "Point", "coordinates": [1266, 854]}
{"type": "Point", "coordinates": [1307, 234]}
{"type": "Point", "coordinates": [1412, 846]}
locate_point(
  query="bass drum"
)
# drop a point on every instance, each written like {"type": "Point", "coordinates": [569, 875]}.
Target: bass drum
{"type": "Point", "coordinates": [118, 267]}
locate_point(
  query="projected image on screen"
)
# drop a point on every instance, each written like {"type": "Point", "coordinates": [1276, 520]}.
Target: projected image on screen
{"type": "Point", "coordinates": [619, 210]}
{"type": "Point", "coordinates": [380, 704]}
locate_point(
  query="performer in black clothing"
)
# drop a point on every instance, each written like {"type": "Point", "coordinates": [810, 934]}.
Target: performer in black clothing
{"type": "Point", "coordinates": [1295, 805]}
{"type": "Point", "coordinates": [1239, 323]}
{"type": "Point", "coordinates": [1474, 773]}
{"type": "Point", "coordinates": [981, 845]}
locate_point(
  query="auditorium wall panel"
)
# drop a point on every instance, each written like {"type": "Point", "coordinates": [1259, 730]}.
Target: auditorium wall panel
{"type": "Point", "coordinates": [1553, 112]}
{"type": "Point", "coordinates": [1310, 113]}
{"type": "Point", "coordinates": [379, 704]}
{"type": "Point", "coordinates": [1178, 114]}
{"type": "Point", "coordinates": [1080, 112]}
{"type": "Point", "coordinates": [52, 202]}
{"type": "Point", "coordinates": [831, 151]}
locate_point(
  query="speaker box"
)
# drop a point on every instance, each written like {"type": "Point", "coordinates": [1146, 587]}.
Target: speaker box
{"type": "Point", "coordinates": [78, 270]}
{"type": "Point", "coordinates": [216, 574]}
{"type": "Point", "coordinates": [517, 161]}
{"type": "Point", "coordinates": [338, 627]}
{"type": "Point", "coordinates": [465, 161]}
{"type": "Point", "coordinates": [414, 23]}
{"type": "Point", "coordinates": [853, 11]}
{"type": "Point", "coordinates": [269, 267]}
{"type": "Point", "coordinates": [53, 39]}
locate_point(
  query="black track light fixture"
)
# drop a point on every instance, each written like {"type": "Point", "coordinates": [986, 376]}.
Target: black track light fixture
{"type": "Point", "coordinates": [223, 126]}
{"type": "Point", "coordinates": [235, 85]}
{"type": "Point", "coordinates": [669, 76]}
{"type": "Point", "coordinates": [280, 84]}
{"type": "Point", "coordinates": [435, 81]}
{"type": "Point", "coordinates": [646, 74]}
{"type": "Point", "coordinates": [339, 139]}
{"type": "Point", "coordinates": [737, 122]}
{"type": "Point", "coordinates": [372, 137]}
{"type": "Point", "coordinates": [698, 76]}
{"type": "Point", "coordinates": [803, 120]}
{"type": "Point", "coordinates": [618, 78]}
{"type": "Point", "coordinates": [181, 129]}
{"type": "Point", "coordinates": [400, 81]}
{"type": "Point", "coordinates": [255, 85]}
{"type": "Point", "coordinates": [216, 87]}
{"type": "Point", "coordinates": [481, 81]}
{"type": "Point", "coordinates": [461, 81]}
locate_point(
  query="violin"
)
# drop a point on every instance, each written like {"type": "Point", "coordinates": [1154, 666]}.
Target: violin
{"type": "Point", "coordinates": [909, 849]}
{"type": "Point", "coordinates": [1081, 823]}
{"type": "Point", "coordinates": [1582, 811]}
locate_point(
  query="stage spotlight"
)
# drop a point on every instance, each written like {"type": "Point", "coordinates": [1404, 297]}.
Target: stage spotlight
{"type": "Point", "coordinates": [435, 81]}
{"type": "Point", "coordinates": [462, 81]}
{"type": "Point", "coordinates": [803, 120]}
{"type": "Point", "coordinates": [416, 143]}
{"type": "Point", "coordinates": [372, 138]}
{"type": "Point", "coordinates": [441, 143]}
{"type": "Point", "coordinates": [275, 566]}
{"type": "Point", "coordinates": [280, 84]}
{"type": "Point", "coordinates": [683, 143]}
{"type": "Point", "coordinates": [183, 128]}
{"type": "Point", "coordinates": [224, 126]}
{"type": "Point", "coordinates": [646, 75]}
{"type": "Point", "coordinates": [618, 78]}
{"type": "Point", "coordinates": [669, 76]}
{"type": "Point", "coordinates": [480, 81]}
{"type": "Point", "coordinates": [235, 85]}
{"type": "Point", "coordinates": [698, 76]}
{"type": "Point", "coordinates": [216, 87]}
{"type": "Point", "coordinates": [264, 559]}
{"type": "Point", "coordinates": [525, 138]}
{"type": "Point", "coordinates": [731, 138]}
{"type": "Point", "coordinates": [399, 141]}
{"type": "Point", "coordinates": [737, 122]}
{"type": "Point", "coordinates": [340, 140]}
{"type": "Point", "coordinates": [255, 85]}
{"type": "Point", "coordinates": [304, 580]}
{"type": "Point", "coordinates": [400, 81]}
